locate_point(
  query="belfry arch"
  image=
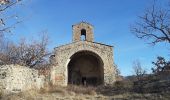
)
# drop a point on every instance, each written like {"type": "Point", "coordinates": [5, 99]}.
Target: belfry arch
{"type": "Point", "coordinates": [85, 68]}
{"type": "Point", "coordinates": [83, 29]}
{"type": "Point", "coordinates": [83, 35]}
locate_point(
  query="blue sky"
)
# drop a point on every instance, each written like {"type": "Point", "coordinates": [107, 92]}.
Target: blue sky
{"type": "Point", "coordinates": [111, 20]}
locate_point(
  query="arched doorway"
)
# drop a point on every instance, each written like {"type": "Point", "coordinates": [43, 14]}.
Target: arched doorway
{"type": "Point", "coordinates": [85, 68]}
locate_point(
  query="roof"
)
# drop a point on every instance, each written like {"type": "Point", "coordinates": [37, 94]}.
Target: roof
{"type": "Point", "coordinates": [82, 22]}
{"type": "Point", "coordinates": [86, 41]}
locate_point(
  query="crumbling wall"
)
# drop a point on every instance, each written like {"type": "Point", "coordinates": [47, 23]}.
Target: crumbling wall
{"type": "Point", "coordinates": [15, 78]}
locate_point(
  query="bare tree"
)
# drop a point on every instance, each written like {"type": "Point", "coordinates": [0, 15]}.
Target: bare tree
{"type": "Point", "coordinates": [138, 70]}
{"type": "Point", "coordinates": [27, 54]}
{"type": "Point", "coordinates": [139, 74]}
{"type": "Point", "coordinates": [154, 25]}
{"type": "Point", "coordinates": [4, 17]}
{"type": "Point", "coordinates": [117, 71]}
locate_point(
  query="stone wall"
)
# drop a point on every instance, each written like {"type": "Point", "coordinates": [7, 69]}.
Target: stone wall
{"type": "Point", "coordinates": [77, 32]}
{"type": "Point", "coordinates": [62, 58]}
{"type": "Point", "coordinates": [59, 72]}
{"type": "Point", "coordinates": [15, 78]}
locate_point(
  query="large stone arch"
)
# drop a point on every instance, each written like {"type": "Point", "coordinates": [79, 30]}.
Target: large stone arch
{"type": "Point", "coordinates": [59, 73]}
{"type": "Point", "coordinates": [85, 67]}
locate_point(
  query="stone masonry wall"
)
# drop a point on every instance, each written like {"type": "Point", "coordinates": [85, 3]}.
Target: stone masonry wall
{"type": "Point", "coordinates": [15, 78]}
{"type": "Point", "coordinates": [59, 73]}
{"type": "Point", "coordinates": [77, 32]}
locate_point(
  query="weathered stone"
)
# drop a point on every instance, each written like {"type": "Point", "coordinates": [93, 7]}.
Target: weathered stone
{"type": "Point", "coordinates": [83, 28]}
{"type": "Point", "coordinates": [15, 78]}
{"type": "Point", "coordinates": [83, 60]}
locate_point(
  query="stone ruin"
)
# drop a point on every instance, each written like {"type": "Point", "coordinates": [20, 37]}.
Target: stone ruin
{"type": "Point", "coordinates": [16, 78]}
{"type": "Point", "coordinates": [82, 62]}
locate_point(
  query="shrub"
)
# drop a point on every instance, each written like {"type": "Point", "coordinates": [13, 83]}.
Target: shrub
{"type": "Point", "coordinates": [123, 86]}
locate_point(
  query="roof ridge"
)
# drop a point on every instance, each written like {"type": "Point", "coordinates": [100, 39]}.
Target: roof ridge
{"type": "Point", "coordinates": [83, 22]}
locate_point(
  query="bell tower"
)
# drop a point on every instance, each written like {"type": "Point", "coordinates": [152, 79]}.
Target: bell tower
{"type": "Point", "coordinates": [83, 32]}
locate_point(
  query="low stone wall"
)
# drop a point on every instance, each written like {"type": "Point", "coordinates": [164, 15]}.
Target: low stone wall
{"type": "Point", "coordinates": [15, 78]}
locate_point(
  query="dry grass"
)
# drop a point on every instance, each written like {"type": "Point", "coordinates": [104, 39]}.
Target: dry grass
{"type": "Point", "coordinates": [53, 89]}
{"type": "Point", "coordinates": [82, 89]}
{"type": "Point", "coordinates": [69, 90]}
{"type": "Point", "coordinates": [1, 93]}
{"type": "Point", "coordinates": [52, 92]}
{"type": "Point", "coordinates": [72, 92]}
{"type": "Point", "coordinates": [139, 96]}
{"type": "Point", "coordinates": [26, 95]}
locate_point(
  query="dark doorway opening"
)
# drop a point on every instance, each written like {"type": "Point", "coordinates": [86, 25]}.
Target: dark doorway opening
{"type": "Point", "coordinates": [85, 68]}
{"type": "Point", "coordinates": [84, 81]}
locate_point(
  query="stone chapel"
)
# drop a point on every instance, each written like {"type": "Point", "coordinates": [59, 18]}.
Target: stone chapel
{"type": "Point", "coordinates": [84, 61]}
